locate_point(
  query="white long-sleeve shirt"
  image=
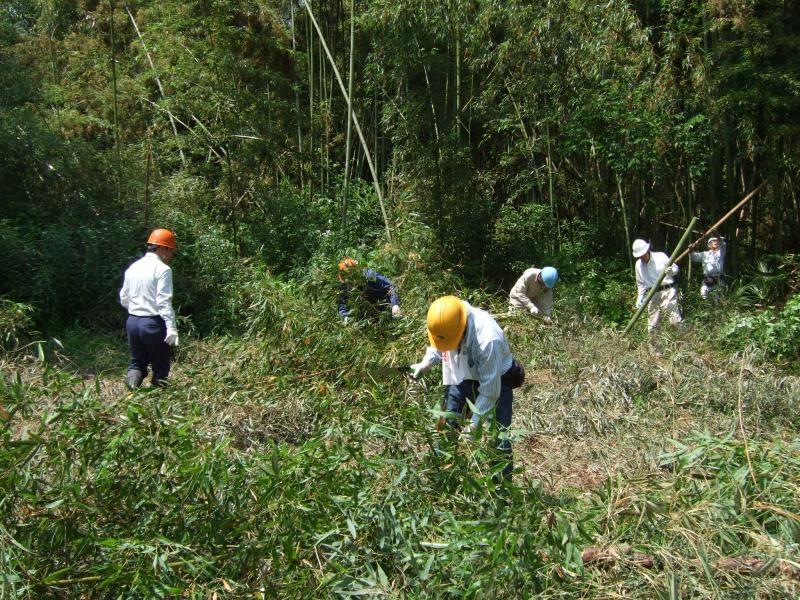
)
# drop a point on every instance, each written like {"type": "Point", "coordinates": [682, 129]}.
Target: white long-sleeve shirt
{"type": "Point", "coordinates": [713, 260]}
{"type": "Point", "coordinates": [483, 355]}
{"type": "Point", "coordinates": [647, 273]}
{"type": "Point", "coordinates": [147, 290]}
{"type": "Point", "coordinates": [531, 295]}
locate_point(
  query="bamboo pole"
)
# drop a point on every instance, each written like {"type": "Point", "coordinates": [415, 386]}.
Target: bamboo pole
{"type": "Point", "coordinates": [550, 186]}
{"type": "Point", "coordinates": [349, 117]}
{"type": "Point", "coordinates": [114, 80]}
{"type": "Point", "coordinates": [741, 203]}
{"type": "Point", "coordinates": [654, 288]}
{"type": "Point", "coordinates": [297, 102]}
{"type": "Point", "coordinates": [147, 184]}
{"type": "Point", "coordinates": [624, 218]}
{"type": "Point", "coordinates": [355, 120]}
{"type": "Point", "coordinates": [697, 231]}
{"type": "Point", "coordinates": [158, 83]}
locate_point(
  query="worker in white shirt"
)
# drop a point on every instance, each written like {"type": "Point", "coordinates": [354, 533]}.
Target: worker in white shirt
{"type": "Point", "coordinates": [534, 292]}
{"type": "Point", "coordinates": [665, 301]}
{"type": "Point", "coordinates": [713, 261]}
{"type": "Point", "coordinates": [147, 295]}
{"type": "Point", "coordinates": [476, 365]}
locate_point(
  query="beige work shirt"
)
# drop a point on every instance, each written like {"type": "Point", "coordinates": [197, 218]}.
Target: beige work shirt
{"type": "Point", "coordinates": [531, 295]}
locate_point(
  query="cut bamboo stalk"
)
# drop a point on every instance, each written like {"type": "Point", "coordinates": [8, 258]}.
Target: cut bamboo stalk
{"type": "Point", "coordinates": [743, 565]}
{"type": "Point", "coordinates": [741, 203]}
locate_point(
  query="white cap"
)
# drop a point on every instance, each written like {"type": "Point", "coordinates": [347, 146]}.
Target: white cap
{"type": "Point", "coordinates": [713, 240]}
{"type": "Point", "coordinates": [640, 248]}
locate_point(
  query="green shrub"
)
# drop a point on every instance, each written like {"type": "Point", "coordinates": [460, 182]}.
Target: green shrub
{"type": "Point", "coordinates": [66, 273]}
{"type": "Point", "coordinates": [522, 237]}
{"type": "Point", "coordinates": [16, 319]}
{"type": "Point", "coordinates": [775, 331]}
{"type": "Point", "coordinates": [597, 288]}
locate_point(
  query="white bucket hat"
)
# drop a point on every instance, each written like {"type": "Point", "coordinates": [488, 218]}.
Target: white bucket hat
{"type": "Point", "coordinates": [640, 248]}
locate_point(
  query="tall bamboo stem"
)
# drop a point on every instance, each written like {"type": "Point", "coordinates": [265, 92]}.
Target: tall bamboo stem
{"type": "Point", "coordinates": [297, 101]}
{"type": "Point", "coordinates": [355, 120]}
{"type": "Point", "coordinates": [349, 117]}
{"type": "Point", "coordinates": [147, 184]}
{"type": "Point", "coordinates": [624, 219]}
{"type": "Point", "coordinates": [114, 103]}
{"type": "Point", "coordinates": [158, 83]}
{"type": "Point", "coordinates": [310, 45]}
{"type": "Point", "coordinates": [550, 187]}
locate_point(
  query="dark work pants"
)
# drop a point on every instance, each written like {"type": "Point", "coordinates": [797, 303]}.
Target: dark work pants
{"type": "Point", "coordinates": [146, 340]}
{"type": "Point", "coordinates": [456, 397]}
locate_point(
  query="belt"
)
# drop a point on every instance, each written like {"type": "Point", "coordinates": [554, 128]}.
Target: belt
{"type": "Point", "coordinates": [661, 288]}
{"type": "Point", "coordinates": [145, 316]}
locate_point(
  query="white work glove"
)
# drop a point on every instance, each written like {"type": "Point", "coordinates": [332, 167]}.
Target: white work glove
{"type": "Point", "coordinates": [172, 337]}
{"type": "Point", "coordinates": [418, 369]}
{"type": "Point", "coordinates": [547, 320]}
{"type": "Point", "coordinates": [346, 320]}
{"type": "Point", "coordinates": [534, 311]}
{"type": "Point", "coordinates": [468, 432]}
{"type": "Point", "coordinates": [395, 311]}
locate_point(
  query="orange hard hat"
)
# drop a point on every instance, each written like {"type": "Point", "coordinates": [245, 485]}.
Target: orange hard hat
{"type": "Point", "coordinates": [163, 237]}
{"type": "Point", "coordinates": [447, 320]}
{"type": "Point", "coordinates": [347, 262]}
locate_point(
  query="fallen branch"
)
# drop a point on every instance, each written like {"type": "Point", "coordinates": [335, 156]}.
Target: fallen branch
{"type": "Point", "coordinates": [599, 556]}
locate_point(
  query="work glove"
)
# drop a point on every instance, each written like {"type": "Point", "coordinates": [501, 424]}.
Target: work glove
{"type": "Point", "coordinates": [172, 337]}
{"type": "Point", "coordinates": [346, 320]}
{"type": "Point", "coordinates": [395, 311]}
{"type": "Point", "coordinates": [418, 369]}
{"type": "Point", "coordinates": [534, 311]}
{"type": "Point", "coordinates": [468, 432]}
{"type": "Point", "coordinates": [547, 320]}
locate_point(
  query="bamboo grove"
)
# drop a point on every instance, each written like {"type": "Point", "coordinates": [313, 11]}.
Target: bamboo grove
{"type": "Point", "coordinates": [560, 121]}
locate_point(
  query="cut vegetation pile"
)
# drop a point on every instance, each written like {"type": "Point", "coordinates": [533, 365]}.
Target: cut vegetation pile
{"type": "Point", "coordinates": [290, 463]}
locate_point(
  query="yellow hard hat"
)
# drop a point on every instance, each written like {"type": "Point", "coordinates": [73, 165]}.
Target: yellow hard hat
{"type": "Point", "coordinates": [447, 319]}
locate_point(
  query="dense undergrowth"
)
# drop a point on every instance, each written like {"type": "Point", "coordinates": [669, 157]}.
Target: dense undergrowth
{"type": "Point", "coordinates": [289, 462]}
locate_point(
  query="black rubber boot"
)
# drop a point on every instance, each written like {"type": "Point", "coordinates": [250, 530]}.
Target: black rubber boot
{"type": "Point", "coordinates": [134, 378]}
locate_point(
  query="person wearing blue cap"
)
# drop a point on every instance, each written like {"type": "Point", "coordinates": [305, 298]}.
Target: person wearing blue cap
{"type": "Point", "coordinates": [534, 292]}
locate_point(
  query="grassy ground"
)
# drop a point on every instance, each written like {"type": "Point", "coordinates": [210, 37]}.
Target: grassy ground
{"type": "Point", "coordinates": [289, 462]}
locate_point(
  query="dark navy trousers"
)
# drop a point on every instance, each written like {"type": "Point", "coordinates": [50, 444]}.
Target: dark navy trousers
{"type": "Point", "coordinates": [456, 398]}
{"type": "Point", "coordinates": [146, 340]}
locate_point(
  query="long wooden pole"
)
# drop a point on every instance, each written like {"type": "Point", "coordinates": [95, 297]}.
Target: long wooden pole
{"type": "Point", "coordinates": [741, 203]}
{"type": "Point", "coordinates": [654, 288]}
